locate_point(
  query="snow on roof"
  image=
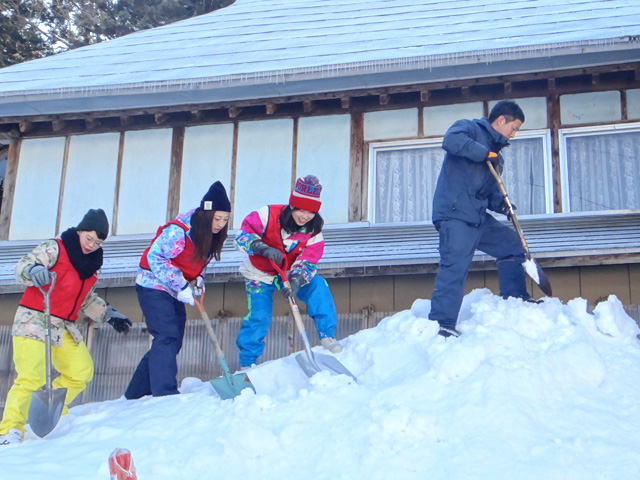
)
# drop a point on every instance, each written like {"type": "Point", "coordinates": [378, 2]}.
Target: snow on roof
{"type": "Point", "coordinates": [278, 42]}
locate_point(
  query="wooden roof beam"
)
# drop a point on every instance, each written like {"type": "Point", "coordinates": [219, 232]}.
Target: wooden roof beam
{"type": "Point", "coordinates": [58, 125]}
{"type": "Point", "coordinates": [308, 106]}
{"type": "Point", "coordinates": [161, 118]}
{"type": "Point", "coordinates": [345, 102]}
{"type": "Point", "coordinates": [26, 127]}
{"type": "Point", "coordinates": [271, 108]}
{"type": "Point", "coordinates": [92, 123]}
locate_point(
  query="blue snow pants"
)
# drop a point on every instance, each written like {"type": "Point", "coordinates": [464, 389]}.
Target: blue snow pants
{"type": "Point", "coordinates": [166, 318]}
{"type": "Point", "coordinates": [315, 294]}
{"type": "Point", "coordinates": [458, 243]}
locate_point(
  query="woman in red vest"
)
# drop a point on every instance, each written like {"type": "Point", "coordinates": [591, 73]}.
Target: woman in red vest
{"type": "Point", "coordinates": [75, 257]}
{"type": "Point", "coordinates": [177, 256]}
{"type": "Point", "coordinates": [290, 234]}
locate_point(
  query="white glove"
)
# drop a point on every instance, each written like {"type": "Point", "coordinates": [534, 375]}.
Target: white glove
{"type": "Point", "coordinates": [186, 296]}
{"type": "Point", "coordinates": [198, 288]}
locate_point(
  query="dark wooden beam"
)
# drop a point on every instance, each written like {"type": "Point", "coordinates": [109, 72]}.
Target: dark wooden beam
{"type": "Point", "coordinates": [58, 125]}
{"type": "Point", "coordinates": [308, 106]}
{"type": "Point", "coordinates": [161, 118]}
{"type": "Point", "coordinates": [271, 108]}
{"type": "Point", "coordinates": [26, 126]}
{"type": "Point", "coordinates": [92, 123]}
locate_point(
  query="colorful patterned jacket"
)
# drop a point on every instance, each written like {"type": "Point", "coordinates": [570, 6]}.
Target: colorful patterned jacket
{"type": "Point", "coordinates": [163, 274]}
{"type": "Point", "coordinates": [253, 228]}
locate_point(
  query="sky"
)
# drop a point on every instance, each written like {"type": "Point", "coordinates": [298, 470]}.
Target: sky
{"type": "Point", "coordinates": [528, 391]}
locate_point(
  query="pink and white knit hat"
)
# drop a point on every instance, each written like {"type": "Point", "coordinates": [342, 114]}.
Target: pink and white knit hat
{"type": "Point", "coordinates": [306, 195]}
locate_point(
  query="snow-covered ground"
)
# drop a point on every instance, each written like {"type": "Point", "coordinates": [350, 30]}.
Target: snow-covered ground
{"type": "Point", "coordinates": [527, 392]}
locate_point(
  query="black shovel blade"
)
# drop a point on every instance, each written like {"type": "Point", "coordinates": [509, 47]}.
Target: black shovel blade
{"type": "Point", "coordinates": [538, 276]}
{"type": "Point", "coordinates": [319, 362]}
{"type": "Point", "coordinates": [45, 410]}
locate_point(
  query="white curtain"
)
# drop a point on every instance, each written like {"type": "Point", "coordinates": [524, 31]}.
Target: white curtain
{"type": "Point", "coordinates": [603, 171]}
{"type": "Point", "coordinates": [523, 175]}
{"type": "Point", "coordinates": [405, 180]}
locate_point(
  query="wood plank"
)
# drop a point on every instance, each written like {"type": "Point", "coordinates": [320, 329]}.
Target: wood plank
{"type": "Point", "coordinates": [9, 187]}
{"type": "Point", "coordinates": [355, 167]}
{"type": "Point", "coordinates": [175, 173]}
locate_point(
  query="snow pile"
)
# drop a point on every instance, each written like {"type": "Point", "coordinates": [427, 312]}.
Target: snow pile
{"type": "Point", "coordinates": [528, 392]}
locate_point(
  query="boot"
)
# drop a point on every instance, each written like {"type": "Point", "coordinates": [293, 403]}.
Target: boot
{"type": "Point", "coordinates": [14, 437]}
{"type": "Point", "coordinates": [331, 344]}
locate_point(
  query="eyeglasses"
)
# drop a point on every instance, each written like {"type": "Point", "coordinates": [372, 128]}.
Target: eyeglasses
{"type": "Point", "coordinates": [92, 241]}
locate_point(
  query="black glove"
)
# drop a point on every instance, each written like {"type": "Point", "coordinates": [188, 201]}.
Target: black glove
{"type": "Point", "coordinates": [504, 209]}
{"type": "Point", "coordinates": [118, 321]}
{"type": "Point", "coordinates": [295, 282]}
{"type": "Point", "coordinates": [39, 275]}
{"type": "Point", "coordinates": [261, 248]}
{"type": "Point", "coordinates": [494, 159]}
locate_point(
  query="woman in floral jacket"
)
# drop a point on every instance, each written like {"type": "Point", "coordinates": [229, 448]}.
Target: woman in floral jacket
{"type": "Point", "coordinates": [176, 258]}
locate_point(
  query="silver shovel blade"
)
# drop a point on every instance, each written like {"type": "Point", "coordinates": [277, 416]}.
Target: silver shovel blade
{"type": "Point", "coordinates": [45, 410]}
{"type": "Point", "coordinates": [319, 362]}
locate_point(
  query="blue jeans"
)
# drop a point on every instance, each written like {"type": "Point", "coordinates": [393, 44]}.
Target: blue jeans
{"type": "Point", "coordinates": [166, 319]}
{"type": "Point", "coordinates": [315, 294]}
{"type": "Point", "coordinates": [458, 243]}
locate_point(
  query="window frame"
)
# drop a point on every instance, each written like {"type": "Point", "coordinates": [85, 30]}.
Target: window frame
{"type": "Point", "coordinates": [379, 146]}
{"type": "Point", "coordinates": [563, 133]}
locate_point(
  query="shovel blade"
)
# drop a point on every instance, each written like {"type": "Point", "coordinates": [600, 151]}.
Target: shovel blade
{"type": "Point", "coordinates": [45, 410]}
{"type": "Point", "coordinates": [319, 362]}
{"type": "Point", "coordinates": [538, 276]}
{"type": "Point", "coordinates": [230, 386]}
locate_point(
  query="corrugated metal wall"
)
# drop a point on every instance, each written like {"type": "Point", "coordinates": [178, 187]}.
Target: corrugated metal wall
{"type": "Point", "coordinates": [115, 356]}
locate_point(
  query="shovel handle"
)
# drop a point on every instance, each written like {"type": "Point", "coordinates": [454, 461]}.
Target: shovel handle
{"type": "Point", "coordinates": [47, 330]}
{"type": "Point", "coordinates": [512, 214]}
{"type": "Point", "coordinates": [207, 325]}
{"type": "Point", "coordinates": [295, 311]}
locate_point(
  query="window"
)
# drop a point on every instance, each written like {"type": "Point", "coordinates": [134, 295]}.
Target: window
{"type": "Point", "coordinates": [600, 168]}
{"type": "Point", "coordinates": [403, 176]}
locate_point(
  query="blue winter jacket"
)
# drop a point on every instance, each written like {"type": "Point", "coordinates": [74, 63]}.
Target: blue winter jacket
{"type": "Point", "coordinates": [465, 187]}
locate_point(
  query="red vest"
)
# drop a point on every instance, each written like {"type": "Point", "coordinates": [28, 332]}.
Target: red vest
{"type": "Point", "coordinates": [189, 267]}
{"type": "Point", "coordinates": [68, 293]}
{"type": "Point", "coordinates": [273, 238]}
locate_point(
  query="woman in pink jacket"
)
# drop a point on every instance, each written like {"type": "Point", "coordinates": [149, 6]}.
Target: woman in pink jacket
{"type": "Point", "coordinates": [290, 236]}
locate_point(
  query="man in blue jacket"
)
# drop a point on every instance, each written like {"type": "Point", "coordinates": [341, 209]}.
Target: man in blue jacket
{"type": "Point", "coordinates": [465, 190]}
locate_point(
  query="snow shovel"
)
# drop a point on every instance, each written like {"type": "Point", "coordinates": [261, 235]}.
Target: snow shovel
{"type": "Point", "coordinates": [530, 265]}
{"type": "Point", "coordinates": [310, 362]}
{"type": "Point", "coordinates": [228, 385]}
{"type": "Point", "coordinates": [46, 404]}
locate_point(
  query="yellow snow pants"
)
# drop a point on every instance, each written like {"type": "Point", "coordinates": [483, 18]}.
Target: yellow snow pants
{"type": "Point", "coordinates": [71, 360]}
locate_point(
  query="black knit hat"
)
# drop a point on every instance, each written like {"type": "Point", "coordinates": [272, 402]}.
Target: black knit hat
{"type": "Point", "coordinates": [95, 220]}
{"type": "Point", "coordinates": [216, 199]}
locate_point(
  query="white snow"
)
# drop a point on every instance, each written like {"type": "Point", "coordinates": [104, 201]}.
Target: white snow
{"type": "Point", "coordinates": [528, 391]}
